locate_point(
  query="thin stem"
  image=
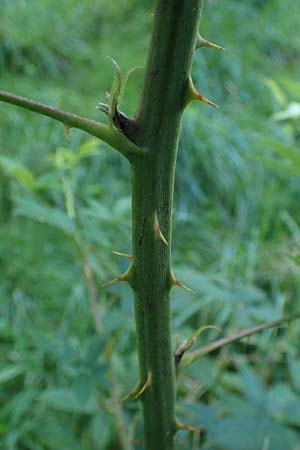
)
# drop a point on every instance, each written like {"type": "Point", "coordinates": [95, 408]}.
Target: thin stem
{"type": "Point", "coordinates": [107, 134]}
{"type": "Point", "coordinates": [91, 286]}
{"type": "Point", "coordinates": [121, 425]}
{"type": "Point", "coordinates": [189, 358]}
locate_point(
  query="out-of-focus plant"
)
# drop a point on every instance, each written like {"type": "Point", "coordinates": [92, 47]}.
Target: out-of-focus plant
{"type": "Point", "coordinates": [149, 142]}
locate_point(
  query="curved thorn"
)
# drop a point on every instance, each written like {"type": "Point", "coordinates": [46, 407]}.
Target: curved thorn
{"type": "Point", "coordinates": [115, 280]}
{"type": "Point", "coordinates": [201, 42]}
{"type": "Point", "coordinates": [126, 276]}
{"type": "Point", "coordinates": [132, 393]}
{"type": "Point", "coordinates": [175, 282]}
{"type": "Point", "coordinates": [205, 100]}
{"type": "Point", "coordinates": [67, 128]}
{"type": "Point", "coordinates": [145, 386]}
{"type": "Point", "coordinates": [125, 255]}
{"type": "Point", "coordinates": [158, 231]}
{"type": "Point", "coordinates": [200, 330]}
{"type": "Point", "coordinates": [193, 94]}
{"type": "Point", "coordinates": [183, 286]}
{"type": "Point", "coordinates": [183, 426]}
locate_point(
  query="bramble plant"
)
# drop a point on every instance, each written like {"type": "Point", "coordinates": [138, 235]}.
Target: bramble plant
{"type": "Point", "coordinates": [149, 141]}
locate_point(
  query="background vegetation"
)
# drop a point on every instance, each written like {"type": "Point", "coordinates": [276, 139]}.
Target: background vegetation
{"type": "Point", "coordinates": [67, 346]}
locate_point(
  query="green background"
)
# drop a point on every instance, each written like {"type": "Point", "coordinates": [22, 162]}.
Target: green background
{"type": "Point", "coordinates": [65, 206]}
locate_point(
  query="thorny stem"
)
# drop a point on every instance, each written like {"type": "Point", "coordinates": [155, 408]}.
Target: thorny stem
{"type": "Point", "coordinates": [158, 123]}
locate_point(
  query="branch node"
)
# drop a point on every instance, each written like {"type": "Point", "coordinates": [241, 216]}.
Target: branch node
{"type": "Point", "coordinates": [113, 137]}
{"type": "Point", "coordinates": [123, 123]}
{"type": "Point", "coordinates": [188, 343]}
{"type": "Point", "coordinates": [181, 349]}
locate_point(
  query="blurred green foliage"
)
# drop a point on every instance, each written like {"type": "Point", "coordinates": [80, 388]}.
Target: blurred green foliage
{"type": "Point", "coordinates": [67, 347]}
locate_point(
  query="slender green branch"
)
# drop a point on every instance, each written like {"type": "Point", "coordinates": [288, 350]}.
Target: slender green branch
{"type": "Point", "coordinates": [196, 354]}
{"type": "Point", "coordinates": [107, 134]}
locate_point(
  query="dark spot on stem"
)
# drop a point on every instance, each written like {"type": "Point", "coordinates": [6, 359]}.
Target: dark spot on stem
{"type": "Point", "coordinates": [142, 231]}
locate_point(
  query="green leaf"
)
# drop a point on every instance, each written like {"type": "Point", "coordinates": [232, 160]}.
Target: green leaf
{"type": "Point", "coordinates": [252, 386]}
{"type": "Point", "coordinates": [101, 430]}
{"type": "Point", "coordinates": [93, 348]}
{"type": "Point", "coordinates": [294, 370]}
{"type": "Point", "coordinates": [275, 90]}
{"type": "Point", "coordinates": [124, 82]}
{"type": "Point", "coordinates": [199, 415]}
{"type": "Point", "coordinates": [33, 209]}
{"type": "Point", "coordinates": [291, 112]}
{"type": "Point", "coordinates": [15, 169]}
{"type": "Point", "coordinates": [66, 400]}
{"type": "Point", "coordinates": [9, 373]}
{"type": "Point", "coordinates": [88, 148]}
{"type": "Point", "coordinates": [284, 404]}
{"type": "Point", "coordinates": [49, 180]}
{"type": "Point", "coordinates": [251, 433]}
{"type": "Point", "coordinates": [56, 435]}
{"type": "Point", "coordinates": [288, 153]}
{"type": "Point", "coordinates": [64, 159]}
{"type": "Point", "coordinates": [291, 413]}
{"type": "Point", "coordinates": [114, 92]}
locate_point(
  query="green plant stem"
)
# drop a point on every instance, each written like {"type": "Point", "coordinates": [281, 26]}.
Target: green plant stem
{"type": "Point", "coordinates": [90, 284]}
{"type": "Point", "coordinates": [191, 357]}
{"type": "Point", "coordinates": [158, 123]}
{"type": "Point", "coordinates": [107, 134]}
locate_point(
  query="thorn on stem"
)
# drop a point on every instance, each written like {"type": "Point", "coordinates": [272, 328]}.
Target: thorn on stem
{"type": "Point", "coordinates": [201, 42]}
{"type": "Point", "coordinates": [126, 276]}
{"type": "Point", "coordinates": [183, 426]}
{"type": "Point", "coordinates": [183, 286]}
{"type": "Point", "coordinates": [205, 100]}
{"type": "Point", "coordinates": [67, 128]}
{"type": "Point", "coordinates": [193, 94]}
{"type": "Point", "coordinates": [145, 386]}
{"type": "Point", "coordinates": [175, 282]}
{"type": "Point", "coordinates": [132, 393]}
{"type": "Point", "coordinates": [158, 231]}
{"type": "Point", "coordinates": [125, 255]}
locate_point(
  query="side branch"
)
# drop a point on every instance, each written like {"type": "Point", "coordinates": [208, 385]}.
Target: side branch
{"type": "Point", "coordinates": [107, 134]}
{"type": "Point", "coordinates": [196, 354]}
